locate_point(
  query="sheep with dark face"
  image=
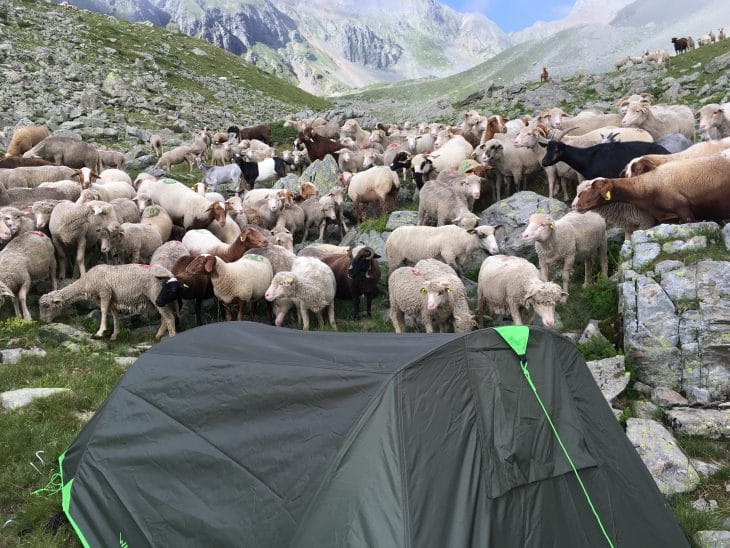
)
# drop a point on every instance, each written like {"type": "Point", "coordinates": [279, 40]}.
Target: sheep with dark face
{"type": "Point", "coordinates": [356, 276]}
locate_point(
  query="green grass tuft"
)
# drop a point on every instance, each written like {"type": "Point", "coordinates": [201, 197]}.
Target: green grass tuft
{"type": "Point", "coordinates": [597, 348]}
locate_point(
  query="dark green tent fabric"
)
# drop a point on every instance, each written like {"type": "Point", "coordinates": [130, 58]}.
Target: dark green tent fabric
{"type": "Point", "coordinates": [240, 434]}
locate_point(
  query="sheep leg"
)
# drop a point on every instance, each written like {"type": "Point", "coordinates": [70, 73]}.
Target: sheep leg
{"type": "Point", "coordinates": [603, 257]}
{"type": "Point", "coordinates": [22, 294]}
{"type": "Point", "coordinates": [544, 267]}
{"type": "Point", "coordinates": [227, 308]}
{"type": "Point", "coordinates": [167, 323]}
{"type": "Point", "coordinates": [320, 320]}
{"type": "Point", "coordinates": [241, 306]}
{"type": "Point", "coordinates": [322, 227]}
{"type": "Point", "coordinates": [61, 253]}
{"type": "Point", "coordinates": [588, 268]}
{"type": "Point", "coordinates": [358, 207]}
{"type": "Point", "coordinates": [305, 316]}
{"type": "Point", "coordinates": [567, 270]}
{"type": "Point", "coordinates": [104, 302]}
{"type": "Point", "coordinates": [52, 274]}
{"type": "Point", "coordinates": [331, 314]}
{"type": "Point", "coordinates": [343, 225]}
{"type": "Point", "coordinates": [426, 319]}
{"type": "Point", "coordinates": [551, 182]}
{"type": "Point", "coordinates": [16, 307]}
{"type": "Point", "coordinates": [115, 324]}
{"type": "Point", "coordinates": [397, 317]}
{"type": "Point", "coordinates": [356, 307]}
{"type": "Point", "coordinates": [514, 310]}
{"type": "Point", "coordinates": [81, 256]}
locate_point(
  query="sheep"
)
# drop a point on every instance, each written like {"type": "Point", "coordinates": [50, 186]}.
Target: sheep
{"type": "Point", "coordinates": [185, 286]}
{"type": "Point", "coordinates": [581, 123]}
{"type": "Point", "coordinates": [352, 129]}
{"type": "Point", "coordinates": [16, 220]}
{"type": "Point", "coordinates": [25, 138]}
{"type": "Point", "coordinates": [5, 233]}
{"type": "Point", "coordinates": [660, 120]}
{"type": "Point", "coordinates": [453, 244]}
{"type": "Point", "coordinates": [202, 242]}
{"type": "Point", "coordinates": [622, 62]}
{"type": "Point", "coordinates": [168, 253]}
{"type": "Point", "coordinates": [25, 197]}
{"type": "Point", "coordinates": [690, 42]}
{"type": "Point", "coordinates": [351, 160]}
{"type": "Point", "coordinates": [73, 224]}
{"type": "Point", "coordinates": [70, 189]}
{"type": "Point", "coordinates": [715, 121]}
{"type": "Point", "coordinates": [185, 207]}
{"type": "Point", "coordinates": [155, 142]}
{"type": "Point", "coordinates": [721, 34]}
{"type": "Point", "coordinates": [24, 261]}
{"type": "Point", "coordinates": [11, 162]}
{"type": "Point", "coordinates": [680, 45]}
{"type": "Point", "coordinates": [461, 317]}
{"type": "Point", "coordinates": [177, 155]}
{"type": "Point", "coordinates": [111, 158]}
{"type": "Point", "coordinates": [411, 292]}
{"type": "Point", "coordinates": [508, 161]}
{"type": "Point", "coordinates": [293, 219]}
{"type": "Point", "coordinates": [201, 188]}
{"type": "Point", "coordinates": [256, 172]}
{"type": "Point", "coordinates": [450, 155]}
{"type": "Point", "coordinates": [243, 281]}
{"type": "Point", "coordinates": [319, 250]}
{"type": "Point", "coordinates": [660, 57]}
{"type": "Point", "coordinates": [445, 200]}
{"type": "Point", "coordinates": [221, 154]}
{"type": "Point", "coordinates": [357, 274]}
{"type": "Point", "coordinates": [262, 132]}
{"type": "Point", "coordinates": [623, 102]}
{"type": "Point", "coordinates": [573, 237]}
{"type": "Point", "coordinates": [544, 75]}
{"type": "Point", "coordinates": [379, 183]}
{"type": "Point", "coordinates": [512, 285]}
{"type": "Point", "coordinates": [31, 177]}
{"type": "Point", "coordinates": [113, 190]}
{"type": "Point", "coordinates": [42, 213]}
{"type": "Point", "coordinates": [317, 146]}
{"type": "Point", "coordinates": [626, 216]}
{"type": "Point", "coordinates": [130, 242]}
{"type": "Point", "coordinates": [257, 155]}
{"type": "Point", "coordinates": [216, 175]}
{"type": "Point", "coordinates": [680, 191]}
{"type": "Point", "coordinates": [283, 238]}
{"type": "Point", "coordinates": [648, 162]}
{"type": "Point", "coordinates": [156, 216]}
{"type": "Point", "coordinates": [123, 288]}
{"type": "Point", "coordinates": [264, 205]}
{"type": "Point", "coordinates": [309, 285]}
{"type": "Point", "coordinates": [126, 210]}
{"type": "Point", "coordinates": [66, 151]}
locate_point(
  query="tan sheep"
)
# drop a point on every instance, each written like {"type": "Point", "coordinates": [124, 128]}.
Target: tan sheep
{"type": "Point", "coordinates": [25, 138]}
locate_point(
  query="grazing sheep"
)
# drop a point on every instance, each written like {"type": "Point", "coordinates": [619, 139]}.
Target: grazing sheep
{"type": "Point", "coordinates": [512, 285]}
{"type": "Point", "coordinates": [76, 225]}
{"type": "Point", "coordinates": [130, 242]}
{"type": "Point", "coordinates": [24, 261]}
{"type": "Point", "coordinates": [357, 274]}
{"type": "Point", "coordinates": [445, 201]}
{"type": "Point", "coordinates": [715, 121]}
{"type": "Point", "coordinates": [453, 244]}
{"type": "Point", "coordinates": [379, 183]}
{"type": "Point", "coordinates": [461, 320]}
{"type": "Point", "coordinates": [309, 285]}
{"type": "Point", "coordinates": [574, 237]}
{"type": "Point", "coordinates": [177, 155]}
{"type": "Point", "coordinates": [25, 138]}
{"type": "Point", "coordinates": [242, 281]}
{"type": "Point", "coordinates": [660, 120]}
{"type": "Point", "coordinates": [66, 151]}
{"type": "Point", "coordinates": [156, 144]}
{"type": "Point", "coordinates": [421, 297]}
{"type": "Point", "coordinates": [124, 288]}
{"type": "Point", "coordinates": [111, 158]}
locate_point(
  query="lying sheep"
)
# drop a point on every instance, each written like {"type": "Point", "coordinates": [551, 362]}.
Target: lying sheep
{"type": "Point", "coordinates": [427, 299]}
{"type": "Point", "coordinates": [453, 244]}
{"type": "Point", "coordinates": [512, 285]}
{"type": "Point", "coordinates": [25, 260]}
{"type": "Point", "coordinates": [461, 320]}
{"type": "Point", "coordinates": [124, 288]}
{"type": "Point", "coordinates": [130, 242]}
{"type": "Point", "coordinates": [309, 285]}
{"type": "Point", "coordinates": [25, 138]}
{"type": "Point", "coordinates": [573, 237]}
{"type": "Point", "coordinates": [177, 155]}
{"type": "Point", "coordinates": [379, 183]}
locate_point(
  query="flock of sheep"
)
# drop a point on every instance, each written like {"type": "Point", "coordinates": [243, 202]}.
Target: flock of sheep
{"type": "Point", "coordinates": [158, 242]}
{"type": "Point", "coordinates": [681, 45]}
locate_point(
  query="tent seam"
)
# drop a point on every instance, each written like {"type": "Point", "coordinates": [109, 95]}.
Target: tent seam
{"type": "Point", "coordinates": [401, 453]}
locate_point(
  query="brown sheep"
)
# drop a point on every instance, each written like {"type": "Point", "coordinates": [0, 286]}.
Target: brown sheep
{"type": "Point", "coordinates": [25, 138]}
{"type": "Point", "coordinates": [356, 276]}
{"type": "Point", "coordinates": [317, 146]}
{"type": "Point", "coordinates": [544, 75]}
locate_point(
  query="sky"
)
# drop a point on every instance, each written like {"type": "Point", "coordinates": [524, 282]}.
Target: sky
{"type": "Point", "coordinates": [512, 15]}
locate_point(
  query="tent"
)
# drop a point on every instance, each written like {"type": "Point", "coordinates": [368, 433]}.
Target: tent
{"type": "Point", "coordinates": [244, 435]}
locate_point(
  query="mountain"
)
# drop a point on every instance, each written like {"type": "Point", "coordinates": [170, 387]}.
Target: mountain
{"type": "Point", "coordinates": [326, 46]}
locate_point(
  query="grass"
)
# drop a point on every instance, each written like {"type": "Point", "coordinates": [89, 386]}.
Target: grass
{"type": "Point", "coordinates": [597, 301]}
{"type": "Point", "coordinates": [597, 348]}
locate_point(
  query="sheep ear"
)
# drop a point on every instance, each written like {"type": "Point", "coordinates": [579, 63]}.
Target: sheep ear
{"type": "Point", "coordinates": [209, 264]}
{"type": "Point", "coordinates": [97, 210]}
{"type": "Point", "coordinates": [375, 256]}
{"type": "Point", "coordinates": [563, 293]}
{"type": "Point", "coordinates": [289, 279]}
{"type": "Point", "coordinates": [552, 226]}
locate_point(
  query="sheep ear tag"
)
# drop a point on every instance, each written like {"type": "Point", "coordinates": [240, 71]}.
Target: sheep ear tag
{"type": "Point", "coordinates": [607, 195]}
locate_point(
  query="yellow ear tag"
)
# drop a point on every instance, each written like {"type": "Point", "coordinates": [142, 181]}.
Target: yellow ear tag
{"type": "Point", "coordinates": [423, 291]}
{"type": "Point", "coordinates": [552, 226]}
{"type": "Point", "coordinates": [448, 290]}
{"type": "Point", "coordinates": [608, 195]}
{"type": "Point", "coordinates": [289, 280]}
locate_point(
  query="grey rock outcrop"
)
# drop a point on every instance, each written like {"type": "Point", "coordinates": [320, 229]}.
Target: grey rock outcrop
{"type": "Point", "coordinates": [713, 539]}
{"type": "Point", "coordinates": [708, 423]}
{"type": "Point", "coordinates": [610, 375]}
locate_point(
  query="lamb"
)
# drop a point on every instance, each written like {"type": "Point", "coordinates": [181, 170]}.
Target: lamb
{"type": "Point", "coordinates": [221, 154]}
{"type": "Point", "coordinates": [242, 281]}
{"type": "Point", "coordinates": [25, 138]}
{"type": "Point", "coordinates": [31, 177]}
{"type": "Point", "coordinates": [155, 142]}
{"type": "Point", "coordinates": [574, 237]}
{"type": "Point", "coordinates": [293, 219]}
{"type": "Point", "coordinates": [111, 158]}
{"type": "Point", "coordinates": [427, 299]}
{"type": "Point", "coordinates": [715, 121]}
{"type": "Point", "coordinates": [216, 175]}
{"type": "Point", "coordinates": [309, 285]}
{"type": "Point", "coordinates": [16, 220]}
{"type": "Point", "coordinates": [157, 217]}
{"type": "Point", "coordinates": [450, 155]}
{"type": "Point", "coordinates": [378, 183]}
{"type": "Point", "coordinates": [42, 212]}
{"type": "Point", "coordinates": [512, 285]}
{"type": "Point", "coordinates": [24, 261]}
{"type": "Point", "coordinates": [461, 318]}
{"type": "Point", "coordinates": [679, 191]}
{"type": "Point", "coordinates": [660, 120]}
{"type": "Point", "coordinates": [453, 244]}
{"type": "Point", "coordinates": [185, 207]}
{"type": "Point", "coordinates": [351, 160]}
{"type": "Point", "coordinates": [445, 200]}
{"type": "Point", "coordinates": [123, 288]}
{"type": "Point", "coordinates": [318, 212]}
{"type": "Point", "coordinates": [66, 151]}
{"type": "Point", "coordinates": [168, 254]}
{"type": "Point", "coordinates": [130, 242]}
{"type": "Point", "coordinates": [177, 155]}
{"type": "Point", "coordinates": [76, 225]}
{"type": "Point", "coordinates": [283, 238]}
{"type": "Point", "coordinates": [356, 274]}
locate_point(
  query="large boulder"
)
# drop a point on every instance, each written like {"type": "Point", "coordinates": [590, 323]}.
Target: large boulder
{"type": "Point", "coordinates": [323, 173]}
{"type": "Point", "coordinates": [610, 376]}
{"type": "Point", "coordinates": [372, 238]}
{"type": "Point", "coordinates": [708, 423]}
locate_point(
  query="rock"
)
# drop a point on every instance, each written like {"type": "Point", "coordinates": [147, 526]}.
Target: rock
{"type": "Point", "coordinates": [644, 255]}
{"type": "Point", "coordinates": [114, 85]}
{"type": "Point", "coordinates": [726, 236]}
{"type": "Point", "coordinates": [125, 361]}
{"type": "Point", "coordinates": [708, 423]}
{"type": "Point", "coordinates": [199, 52]}
{"type": "Point", "coordinates": [371, 238]}
{"type": "Point", "coordinates": [591, 330]}
{"type": "Point", "coordinates": [15, 399]}
{"type": "Point", "coordinates": [666, 397]}
{"type": "Point", "coordinates": [401, 218]}
{"type": "Point", "coordinates": [323, 173]}
{"type": "Point", "coordinates": [713, 539]}
{"type": "Point", "coordinates": [290, 182]}
{"type": "Point", "coordinates": [12, 356]}
{"type": "Point", "coordinates": [61, 332]}
{"type": "Point", "coordinates": [695, 243]}
{"type": "Point", "coordinates": [667, 266]}
{"type": "Point", "coordinates": [512, 212]}
{"type": "Point", "coordinates": [719, 63]}
{"type": "Point", "coordinates": [610, 375]}
{"type": "Point", "coordinates": [643, 389]}
{"type": "Point", "coordinates": [72, 347]}
{"type": "Point", "coordinates": [697, 396]}
{"type": "Point", "coordinates": [141, 163]}
{"type": "Point", "coordinates": [644, 409]}
{"type": "Point", "coordinates": [703, 505]}
{"type": "Point", "coordinates": [669, 467]}
{"type": "Point", "coordinates": [84, 416]}
{"type": "Point", "coordinates": [705, 469]}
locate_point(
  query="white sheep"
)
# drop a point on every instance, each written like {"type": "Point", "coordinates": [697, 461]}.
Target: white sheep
{"type": "Point", "coordinates": [24, 261]}
{"type": "Point", "coordinates": [715, 121]}
{"type": "Point", "coordinates": [450, 155]}
{"type": "Point", "coordinates": [70, 189]}
{"type": "Point", "coordinates": [309, 285]}
{"type": "Point", "coordinates": [379, 183]}
{"type": "Point", "coordinates": [128, 288]}
{"type": "Point", "coordinates": [155, 142]}
{"type": "Point", "coordinates": [111, 158]}
{"type": "Point", "coordinates": [461, 316]}
{"type": "Point", "coordinates": [445, 200]}
{"type": "Point", "coordinates": [428, 299]}
{"type": "Point", "coordinates": [31, 177]}
{"type": "Point", "coordinates": [453, 244]}
{"type": "Point", "coordinates": [573, 237]}
{"type": "Point", "coordinates": [177, 155]}
{"type": "Point", "coordinates": [509, 161]}
{"type": "Point", "coordinates": [42, 210]}
{"type": "Point", "coordinates": [16, 220]}
{"type": "Point", "coordinates": [660, 120]}
{"type": "Point", "coordinates": [130, 242]}
{"type": "Point", "coordinates": [512, 285]}
{"type": "Point", "coordinates": [243, 281]}
{"type": "Point", "coordinates": [317, 212]}
{"type": "Point", "coordinates": [157, 216]}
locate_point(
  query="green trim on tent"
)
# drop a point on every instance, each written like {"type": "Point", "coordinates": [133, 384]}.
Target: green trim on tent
{"type": "Point", "coordinates": [66, 502]}
{"type": "Point", "coordinates": [515, 336]}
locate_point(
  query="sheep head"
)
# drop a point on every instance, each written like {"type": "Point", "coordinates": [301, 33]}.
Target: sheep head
{"type": "Point", "coordinates": [51, 304]}
{"type": "Point", "coordinates": [542, 297]}
{"type": "Point", "coordinates": [595, 194]}
{"type": "Point", "coordinates": [252, 238]}
{"type": "Point", "coordinates": [539, 228]}
{"type": "Point", "coordinates": [435, 293]}
{"type": "Point", "coordinates": [202, 264]}
{"type": "Point", "coordinates": [283, 283]}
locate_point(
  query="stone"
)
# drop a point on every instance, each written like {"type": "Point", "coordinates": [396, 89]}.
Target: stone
{"type": "Point", "coordinates": [125, 361]}
{"type": "Point", "coordinates": [661, 454]}
{"type": "Point", "coordinates": [84, 416]}
{"type": "Point", "coordinates": [371, 238]}
{"type": "Point", "coordinates": [15, 399]}
{"type": "Point", "coordinates": [708, 423]}
{"type": "Point", "coordinates": [712, 539]}
{"type": "Point", "coordinates": [12, 356]}
{"type": "Point", "coordinates": [61, 332]}
{"type": "Point", "coordinates": [114, 85]}
{"type": "Point", "coordinates": [667, 266]}
{"type": "Point", "coordinates": [591, 330]}
{"type": "Point", "coordinates": [643, 389]}
{"type": "Point", "coordinates": [680, 284]}
{"type": "Point", "coordinates": [323, 173]}
{"type": "Point", "coordinates": [644, 255]}
{"type": "Point", "coordinates": [199, 52]}
{"type": "Point", "coordinates": [610, 375]}
{"type": "Point", "coordinates": [697, 395]}
{"type": "Point", "coordinates": [705, 469]}
{"type": "Point", "coordinates": [666, 397]}
{"type": "Point", "coordinates": [644, 409]}
{"type": "Point", "coordinates": [401, 218]}
{"type": "Point", "coordinates": [695, 243]}
{"type": "Point", "coordinates": [726, 236]}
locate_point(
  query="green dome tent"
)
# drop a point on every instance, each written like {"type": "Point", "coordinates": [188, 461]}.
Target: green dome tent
{"type": "Point", "coordinates": [239, 434]}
